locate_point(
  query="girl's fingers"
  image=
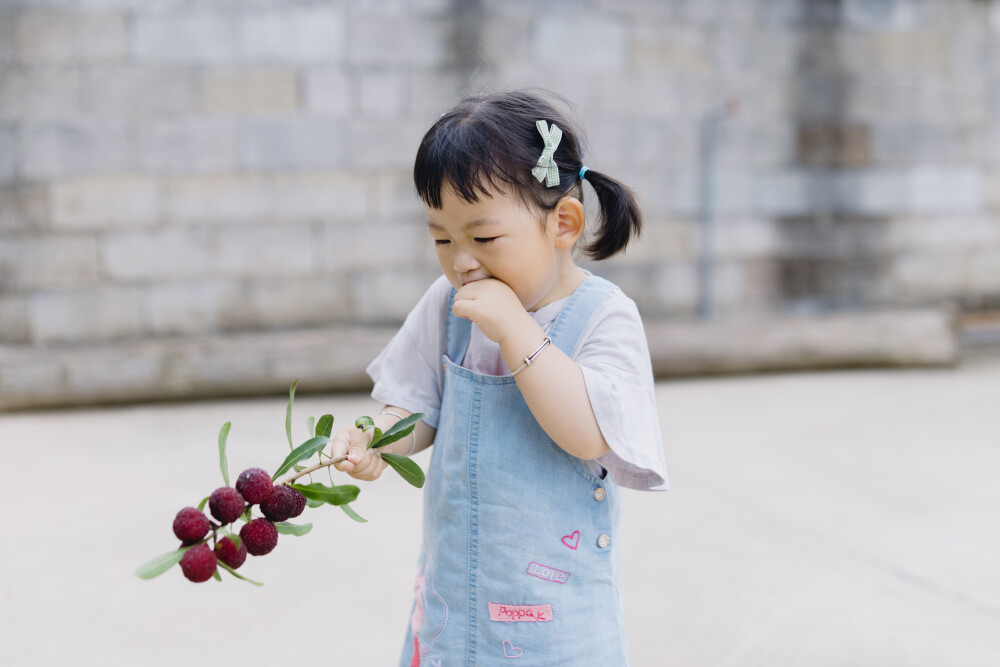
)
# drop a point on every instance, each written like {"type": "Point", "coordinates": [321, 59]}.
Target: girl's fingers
{"type": "Point", "coordinates": [359, 445]}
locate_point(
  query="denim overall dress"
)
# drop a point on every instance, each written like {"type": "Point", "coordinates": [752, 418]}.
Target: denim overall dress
{"type": "Point", "coordinates": [520, 559]}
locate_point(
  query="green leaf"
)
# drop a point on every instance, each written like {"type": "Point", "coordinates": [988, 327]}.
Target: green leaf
{"type": "Point", "coordinates": [288, 413]}
{"type": "Point", "coordinates": [333, 495]}
{"type": "Point", "coordinates": [223, 461]}
{"type": "Point", "coordinates": [157, 566]}
{"type": "Point", "coordinates": [237, 575]}
{"type": "Point", "coordinates": [376, 436]}
{"type": "Point", "coordinates": [399, 430]}
{"type": "Point", "coordinates": [204, 501]}
{"type": "Point", "coordinates": [349, 511]}
{"type": "Point", "coordinates": [216, 575]}
{"type": "Point", "coordinates": [314, 503]}
{"type": "Point", "coordinates": [364, 422]}
{"type": "Point", "coordinates": [311, 426]}
{"type": "Point", "coordinates": [289, 528]}
{"type": "Point", "coordinates": [303, 451]}
{"type": "Point", "coordinates": [325, 425]}
{"type": "Point", "coordinates": [406, 468]}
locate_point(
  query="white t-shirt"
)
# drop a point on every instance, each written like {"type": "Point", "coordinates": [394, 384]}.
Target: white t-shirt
{"type": "Point", "coordinates": [612, 352]}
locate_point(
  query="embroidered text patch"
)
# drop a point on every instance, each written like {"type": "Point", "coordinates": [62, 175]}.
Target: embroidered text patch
{"type": "Point", "coordinates": [547, 573]}
{"type": "Point", "coordinates": [520, 613]}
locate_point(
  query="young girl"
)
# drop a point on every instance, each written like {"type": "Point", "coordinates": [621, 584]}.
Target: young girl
{"type": "Point", "coordinates": [535, 380]}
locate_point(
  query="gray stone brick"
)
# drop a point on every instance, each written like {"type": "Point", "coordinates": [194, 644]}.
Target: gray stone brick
{"type": "Point", "coordinates": [249, 91]}
{"type": "Point", "coordinates": [70, 37]}
{"type": "Point", "coordinates": [328, 91]}
{"type": "Point", "coordinates": [292, 143]}
{"type": "Point", "coordinates": [186, 308]}
{"type": "Point", "coordinates": [192, 37]}
{"type": "Point", "coordinates": [431, 93]}
{"type": "Point", "coordinates": [397, 199]}
{"type": "Point", "coordinates": [323, 197]}
{"type": "Point", "coordinates": [39, 94]}
{"type": "Point", "coordinates": [382, 93]}
{"type": "Point", "coordinates": [983, 271]}
{"type": "Point", "coordinates": [922, 277]}
{"type": "Point", "coordinates": [125, 375]}
{"type": "Point", "coordinates": [946, 190]}
{"type": "Point", "coordinates": [902, 144]}
{"type": "Point", "coordinates": [300, 302]}
{"type": "Point", "coordinates": [397, 40]}
{"type": "Point", "coordinates": [793, 13]}
{"type": "Point", "coordinates": [32, 381]}
{"type": "Point", "coordinates": [67, 149]}
{"type": "Point", "coordinates": [948, 233]}
{"type": "Point", "coordinates": [387, 294]}
{"type": "Point", "coordinates": [378, 146]}
{"type": "Point", "coordinates": [32, 263]}
{"type": "Point", "coordinates": [320, 35]}
{"type": "Point", "coordinates": [714, 13]}
{"type": "Point", "coordinates": [254, 199]}
{"type": "Point", "coordinates": [666, 45]}
{"type": "Point", "coordinates": [139, 91]}
{"type": "Point", "coordinates": [198, 144]}
{"type": "Point", "coordinates": [165, 254]}
{"type": "Point", "coordinates": [557, 41]}
{"type": "Point", "coordinates": [23, 209]}
{"type": "Point", "coordinates": [85, 315]}
{"type": "Point", "coordinates": [674, 288]}
{"type": "Point", "coordinates": [880, 14]}
{"type": "Point", "coordinates": [8, 153]}
{"type": "Point", "coordinates": [13, 321]}
{"type": "Point", "coordinates": [7, 51]}
{"type": "Point", "coordinates": [358, 246]}
{"type": "Point", "coordinates": [104, 202]}
{"type": "Point", "coordinates": [256, 252]}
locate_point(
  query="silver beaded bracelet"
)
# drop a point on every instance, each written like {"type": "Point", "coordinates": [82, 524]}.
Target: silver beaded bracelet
{"type": "Point", "coordinates": [413, 433]}
{"type": "Point", "coordinates": [531, 357]}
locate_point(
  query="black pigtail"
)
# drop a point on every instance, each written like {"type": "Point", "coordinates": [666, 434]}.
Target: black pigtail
{"type": "Point", "coordinates": [620, 219]}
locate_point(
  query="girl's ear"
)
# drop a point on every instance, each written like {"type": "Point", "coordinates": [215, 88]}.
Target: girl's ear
{"type": "Point", "coordinates": [569, 221]}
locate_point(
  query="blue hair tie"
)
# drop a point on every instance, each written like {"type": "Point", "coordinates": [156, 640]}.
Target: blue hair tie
{"type": "Point", "coordinates": [583, 172]}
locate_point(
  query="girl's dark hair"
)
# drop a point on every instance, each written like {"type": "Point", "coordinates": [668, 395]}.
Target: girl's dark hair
{"type": "Point", "coordinates": [490, 143]}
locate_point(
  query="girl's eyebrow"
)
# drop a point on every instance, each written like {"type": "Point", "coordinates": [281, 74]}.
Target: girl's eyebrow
{"type": "Point", "coordinates": [474, 223]}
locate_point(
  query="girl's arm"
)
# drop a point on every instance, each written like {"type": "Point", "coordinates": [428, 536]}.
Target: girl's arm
{"type": "Point", "coordinates": [365, 464]}
{"type": "Point", "coordinates": [556, 392]}
{"type": "Point", "coordinates": [553, 385]}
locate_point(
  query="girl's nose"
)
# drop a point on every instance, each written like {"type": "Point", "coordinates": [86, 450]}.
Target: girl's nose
{"type": "Point", "coordinates": [463, 262]}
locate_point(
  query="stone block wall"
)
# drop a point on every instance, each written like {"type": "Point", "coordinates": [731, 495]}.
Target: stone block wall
{"type": "Point", "coordinates": [184, 169]}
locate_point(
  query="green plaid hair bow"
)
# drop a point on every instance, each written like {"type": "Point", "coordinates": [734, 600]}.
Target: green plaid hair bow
{"type": "Point", "coordinates": [547, 170]}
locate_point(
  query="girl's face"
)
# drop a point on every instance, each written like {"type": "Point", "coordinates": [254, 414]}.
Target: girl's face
{"type": "Point", "coordinates": [498, 237]}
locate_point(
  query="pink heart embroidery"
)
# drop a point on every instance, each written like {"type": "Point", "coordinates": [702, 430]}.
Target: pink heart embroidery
{"type": "Point", "coordinates": [572, 540]}
{"type": "Point", "coordinates": [511, 651]}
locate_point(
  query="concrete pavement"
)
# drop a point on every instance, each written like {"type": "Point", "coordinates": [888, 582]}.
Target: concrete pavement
{"type": "Point", "coordinates": [842, 518]}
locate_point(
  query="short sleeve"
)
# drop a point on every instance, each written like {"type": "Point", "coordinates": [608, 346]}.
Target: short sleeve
{"type": "Point", "coordinates": [408, 372]}
{"type": "Point", "coordinates": [614, 356]}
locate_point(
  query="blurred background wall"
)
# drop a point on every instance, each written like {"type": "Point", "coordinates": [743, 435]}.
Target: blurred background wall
{"type": "Point", "coordinates": [214, 197]}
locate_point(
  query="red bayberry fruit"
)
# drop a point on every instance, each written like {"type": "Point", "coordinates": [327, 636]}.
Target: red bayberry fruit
{"type": "Point", "coordinates": [300, 503]}
{"type": "Point", "coordinates": [259, 537]}
{"type": "Point", "coordinates": [198, 563]}
{"type": "Point", "coordinates": [226, 504]}
{"type": "Point", "coordinates": [227, 552]}
{"type": "Point", "coordinates": [254, 485]}
{"type": "Point", "coordinates": [190, 525]}
{"type": "Point", "coordinates": [280, 504]}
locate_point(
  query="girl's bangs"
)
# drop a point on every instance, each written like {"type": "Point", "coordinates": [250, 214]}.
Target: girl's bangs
{"type": "Point", "coordinates": [458, 155]}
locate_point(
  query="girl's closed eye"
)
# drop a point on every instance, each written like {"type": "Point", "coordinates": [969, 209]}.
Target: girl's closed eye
{"type": "Point", "coordinates": [441, 241]}
{"type": "Point", "coordinates": [487, 240]}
